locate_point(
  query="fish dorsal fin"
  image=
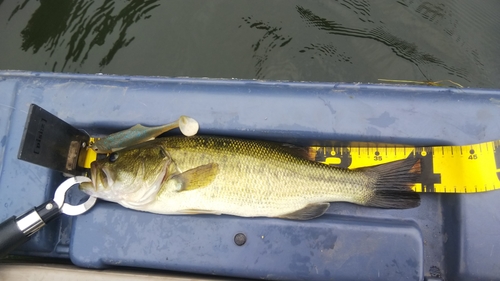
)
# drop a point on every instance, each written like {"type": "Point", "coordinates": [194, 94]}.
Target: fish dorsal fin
{"type": "Point", "coordinates": [301, 152]}
{"type": "Point", "coordinates": [310, 211]}
{"type": "Point", "coordinates": [195, 178]}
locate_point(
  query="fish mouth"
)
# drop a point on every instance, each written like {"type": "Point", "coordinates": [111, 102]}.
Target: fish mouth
{"type": "Point", "coordinates": [100, 176]}
{"type": "Point", "coordinates": [93, 174]}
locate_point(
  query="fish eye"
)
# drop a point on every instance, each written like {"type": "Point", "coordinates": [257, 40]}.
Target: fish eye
{"type": "Point", "coordinates": [113, 157]}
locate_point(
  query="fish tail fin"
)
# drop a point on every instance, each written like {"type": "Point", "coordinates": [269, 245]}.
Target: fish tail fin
{"type": "Point", "coordinates": [393, 184]}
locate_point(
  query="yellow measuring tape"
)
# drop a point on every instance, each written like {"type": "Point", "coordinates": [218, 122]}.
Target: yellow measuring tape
{"type": "Point", "coordinates": [445, 169]}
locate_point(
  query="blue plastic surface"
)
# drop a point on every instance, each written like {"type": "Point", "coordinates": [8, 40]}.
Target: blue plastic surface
{"type": "Point", "coordinates": [453, 237]}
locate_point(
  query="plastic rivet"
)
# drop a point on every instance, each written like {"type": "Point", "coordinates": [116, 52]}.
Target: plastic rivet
{"type": "Point", "coordinates": [240, 239]}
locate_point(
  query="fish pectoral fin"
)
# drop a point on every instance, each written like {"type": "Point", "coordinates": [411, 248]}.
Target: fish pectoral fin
{"type": "Point", "coordinates": [310, 211]}
{"type": "Point", "coordinates": [199, 211]}
{"type": "Point", "coordinates": [198, 177]}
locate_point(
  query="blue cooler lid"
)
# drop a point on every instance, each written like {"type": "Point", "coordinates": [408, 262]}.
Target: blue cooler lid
{"type": "Point", "coordinates": [450, 236]}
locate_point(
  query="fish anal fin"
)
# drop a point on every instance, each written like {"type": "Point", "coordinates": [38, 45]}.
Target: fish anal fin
{"type": "Point", "coordinates": [199, 211]}
{"type": "Point", "coordinates": [198, 177]}
{"type": "Point", "coordinates": [310, 211]}
{"type": "Point", "coordinates": [301, 152]}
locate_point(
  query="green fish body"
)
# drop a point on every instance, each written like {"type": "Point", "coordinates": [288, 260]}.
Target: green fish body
{"type": "Point", "coordinates": [248, 178]}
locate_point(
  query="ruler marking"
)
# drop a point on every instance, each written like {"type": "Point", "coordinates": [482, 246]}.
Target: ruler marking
{"type": "Point", "coordinates": [445, 165]}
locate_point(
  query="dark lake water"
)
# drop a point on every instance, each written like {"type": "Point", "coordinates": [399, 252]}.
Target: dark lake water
{"type": "Point", "coordinates": [338, 41]}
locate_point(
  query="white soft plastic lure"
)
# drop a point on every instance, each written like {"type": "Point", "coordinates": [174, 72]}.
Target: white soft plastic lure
{"type": "Point", "coordinates": [139, 134]}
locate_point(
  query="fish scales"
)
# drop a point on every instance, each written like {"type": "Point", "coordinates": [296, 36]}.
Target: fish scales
{"type": "Point", "coordinates": [258, 176]}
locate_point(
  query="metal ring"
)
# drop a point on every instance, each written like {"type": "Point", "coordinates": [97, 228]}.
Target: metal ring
{"type": "Point", "coordinates": [60, 195]}
{"type": "Point", "coordinates": [72, 210]}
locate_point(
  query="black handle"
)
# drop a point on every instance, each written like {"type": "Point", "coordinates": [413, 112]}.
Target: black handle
{"type": "Point", "coordinates": [48, 211]}
{"type": "Point", "coordinates": [16, 231]}
{"type": "Point", "coordinates": [11, 236]}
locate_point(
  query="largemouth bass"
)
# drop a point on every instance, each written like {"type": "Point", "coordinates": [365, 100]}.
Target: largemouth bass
{"type": "Point", "coordinates": [139, 134]}
{"type": "Point", "coordinates": [248, 178]}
